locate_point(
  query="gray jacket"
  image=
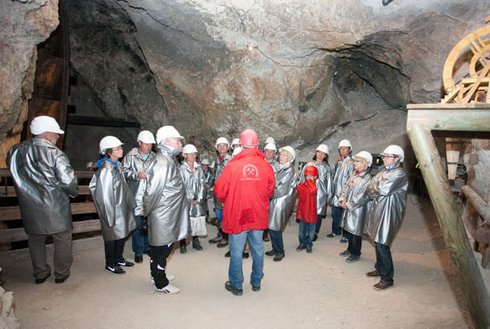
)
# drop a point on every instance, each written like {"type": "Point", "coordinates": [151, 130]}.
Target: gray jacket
{"type": "Point", "coordinates": [194, 187]}
{"type": "Point", "coordinates": [354, 193]}
{"type": "Point", "coordinates": [133, 163]}
{"type": "Point", "coordinates": [323, 183]}
{"type": "Point", "coordinates": [44, 181]}
{"type": "Point", "coordinates": [275, 165]}
{"type": "Point", "coordinates": [282, 202]}
{"type": "Point", "coordinates": [113, 201]}
{"type": "Point", "coordinates": [388, 189]}
{"type": "Point", "coordinates": [218, 169]}
{"type": "Point", "coordinates": [165, 201]}
{"type": "Point", "coordinates": [343, 170]}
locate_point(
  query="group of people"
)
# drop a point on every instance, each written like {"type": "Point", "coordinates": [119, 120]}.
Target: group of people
{"type": "Point", "coordinates": [160, 198]}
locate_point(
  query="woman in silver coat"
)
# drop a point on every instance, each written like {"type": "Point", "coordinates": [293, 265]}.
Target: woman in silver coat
{"type": "Point", "coordinates": [355, 202]}
{"type": "Point", "coordinates": [193, 178]}
{"type": "Point", "coordinates": [324, 183]}
{"type": "Point", "coordinates": [114, 203]}
{"type": "Point", "coordinates": [282, 202]}
{"type": "Point", "coordinates": [388, 190]}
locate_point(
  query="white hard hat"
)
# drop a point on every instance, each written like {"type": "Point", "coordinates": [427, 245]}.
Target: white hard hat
{"type": "Point", "coordinates": [222, 140]}
{"type": "Point", "coordinates": [189, 148]}
{"type": "Point", "coordinates": [205, 162]}
{"type": "Point", "coordinates": [345, 143]}
{"type": "Point", "coordinates": [366, 156]}
{"type": "Point", "coordinates": [109, 142]}
{"type": "Point", "coordinates": [270, 146]}
{"type": "Point", "coordinates": [270, 140]}
{"type": "Point", "coordinates": [167, 132]}
{"type": "Point", "coordinates": [236, 141]}
{"type": "Point", "coordinates": [322, 148]}
{"type": "Point", "coordinates": [394, 150]}
{"type": "Point", "coordinates": [145, 136]}
{"type": "Point", "coordinates": [44, 124]}
{"type": "Point", "coordinates": [237, 150]}
{"type": "Point", "coordinates": [290, 150]}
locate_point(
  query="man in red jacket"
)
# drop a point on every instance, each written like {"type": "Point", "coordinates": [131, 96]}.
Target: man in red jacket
{"type": "Point", "coordinates": [245, 187]}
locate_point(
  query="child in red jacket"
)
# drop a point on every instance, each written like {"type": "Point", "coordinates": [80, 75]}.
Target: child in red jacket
{"type": "Point", "coordinates": [306, 211]}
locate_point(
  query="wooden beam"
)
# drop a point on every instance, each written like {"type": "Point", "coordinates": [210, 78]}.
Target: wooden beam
{"type": "Point", "coordinates": [13, 213]}
{"type": "Point", "coordinates": [101, 122]}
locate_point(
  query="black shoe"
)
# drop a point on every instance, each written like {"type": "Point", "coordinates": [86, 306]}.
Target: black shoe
{"type": "Point", "coordinates": [373, 273]}
{"type": "Point", "coordinates": [223, 243]}
{"type": "Point", "coordinates": [233, 290]}
{"type": "Point", "coordinates": [270, 253]}
{"type": "Point", "coordinates": [125, 263]}
{"type": "Point", "coordinates": [227, 254]}
{"type": "Point", "coordinates": [309, 250]}
{"type": "Point", "coordinates": [382, 285]}
{"type": "Point", "coordinates": [61, 280]}
{"type": "Point", "coordinates": [278, 257]}
{"type": "Point", "coordinates": [255, 288]}
{"type": "Point", "coordinates": [138, 259]}
{"type": "Point", "coordinates": [265, 238]}
{"type": "Point", "coordinates": [331, 235]}
{"type": "Point", "coordinates": [196, 245]}
{"type": "Point", "coordinates": [345, 253]}
{"type": "Point", "coordinates": [183, 249]}
{"type": "Point", "coordinates": [115, 269]}
{"type": "Point", "coordinates": [344, 240]}
{"type": "Point", "coordinates": [42, 280]}
{"type": "Point", "coordinates": [245, 255]}
{"type": "Point", "coordinates": [301, 247]}
{"type": "Point", "coordinates": [217, 239]}
{"type": "Point", "coordinates": [352, 258]}
{"type": "Point", "coordinates": [315, 237]}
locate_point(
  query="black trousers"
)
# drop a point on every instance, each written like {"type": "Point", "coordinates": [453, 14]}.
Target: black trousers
{"type": "Point", "coordinates": [158, 262]}
{"type": "Point", "coordinates": [355, 243]}
{"type": "Point", "coordinates": [114, 252]}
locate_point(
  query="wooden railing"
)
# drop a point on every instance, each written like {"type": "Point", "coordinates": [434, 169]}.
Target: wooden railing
{"type": "Point", "coordinates": [85, 219]}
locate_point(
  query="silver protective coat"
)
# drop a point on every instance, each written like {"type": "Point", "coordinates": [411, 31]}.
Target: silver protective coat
{"type": "Point", "coordinates": [282, 202]}
{"type": "Point", "coordinates": [44, 181]}
{"type": "Point", "coordinates": [220, 165]}
{"type": "Point", "coordinates": [343, 170]}
{"type": "Point", "coordinates": [114, 202]}
{"type": "Point", "coordinates": [388, 190]}
{"type": "Point", "coordinates": [194, 187]}
{"type": "Point", "coordinates": [323, 183]}
{"type": "Point", "coordinates": [164, 201]}
{"type": "Point", "coordinates": [354, 193]}
{"type": "Point", "coordinates": [132, 164]}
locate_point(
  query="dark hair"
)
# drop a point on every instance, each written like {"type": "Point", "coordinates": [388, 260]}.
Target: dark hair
{"type": "Point", "coordinates": [324, 160]}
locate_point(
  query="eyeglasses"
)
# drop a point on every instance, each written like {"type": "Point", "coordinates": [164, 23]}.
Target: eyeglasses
{"type": "Point", "coordinates": [389, 156]}
{"type": "Point", "coordinates": [119, 148]}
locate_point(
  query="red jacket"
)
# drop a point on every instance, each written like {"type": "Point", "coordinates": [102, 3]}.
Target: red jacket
{"type": "Point", "coordinates": [245, 187]}
{"type": "Point", "coordinates": [306, 210]}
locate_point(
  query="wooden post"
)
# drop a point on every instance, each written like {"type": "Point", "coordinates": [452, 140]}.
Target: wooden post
{"type": "Point", "coordinates": [419, 126]}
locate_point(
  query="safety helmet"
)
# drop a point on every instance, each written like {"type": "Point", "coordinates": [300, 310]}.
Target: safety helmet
{"type": "Point", "coordinates": [205, 162]}
{"type": "Point", "coordinates": [311, 170]}
{"type": "Point", "coordinates": [366, 156]}
{"type": "Point", "coordinates": [235, 141]}
{"type": "Point", "coordinates": [221, 140]}
{"type": "Point", "coordinates": [322, 148]}
{"type": "Point", "coordinates": [345, 143]}
{"type": "Point", "coordinates": [43, 124]}
{"type": "Point", "coordinates": [290, 150]}
{"type": "Point", "coordinates": [270, 146]}
{"type": "Point", "coordinates": [394, 150]}
{"type": "Point", "coordinates": [249, 137]}
{"type": "Point", "coordinates": [145, 136]}
{"type": "Point", "coordinates": [109, 142]}
{"type": "Point", "coordinates": [189, 148]}
{"type": "Point", "coordinates": [237, 150]}
{"type": "Point", "coordinates": [270, 140]}
{"type": "Point", "coordinates": [167, 132]}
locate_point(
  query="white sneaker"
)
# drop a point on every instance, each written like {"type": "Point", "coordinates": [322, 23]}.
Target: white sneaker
{"type": "Point", "coordinates": [170, 277]}
{"type": "Point", "coordinates": [169, 289]}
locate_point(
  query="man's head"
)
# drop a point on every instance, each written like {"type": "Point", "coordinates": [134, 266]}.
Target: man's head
{"type": "Point", "coordinates": [46, 127]}
{"type": "Point", "coordinates": [270, 151]}
{"type": "Point", "coordinates": [190, 152]}
{"type": "Point", "coordinates": [170, 137]}
{"type": "Point", "coordinates": [393, 154]}
{"type": "Point", "coordinates": [345, 147]}
{"type": "Point", "coordinates": [249, 139]}
{"type": "Point", "coordinates": [222, 145]}
{"type": "Point", "coordinates": [145, 141]}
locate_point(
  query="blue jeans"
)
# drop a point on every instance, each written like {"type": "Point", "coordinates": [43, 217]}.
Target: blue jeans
{"type": "Point", "coordinates": [219, 214]}
{"type": "Point", "coordinates": [384, 262]}
{"type": "Point", "coordinates": [237, 243]}
{"type": "Point", "coordinates": [276, 241]}
{"type": "Point", "coordinates": [139, 240]}
{"type": "Point", "coordinates": [336, 219]}
{"type": "Point", "coordinates": [306, 232]}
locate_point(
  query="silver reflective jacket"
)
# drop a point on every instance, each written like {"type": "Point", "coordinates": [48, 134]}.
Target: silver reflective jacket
{"type": "Point", "coordinates": [275, 165]}
{"type": "Point", "coordinates": [282, 202]}
{"type": "Point", "coordinates": [388, 190]}
{"type": "Point", "coordinates": [194, 187]}
{"type": "Point", "coordinates": [354, 193]}
{"type": "Point", "coordinates": [113, 201]}
{"type": "Point", "coordinates": [323, 183]}
{"type": "Point", "coordinates": [343, 170]}
{"type": "Point", "coordinates": [218, 169]}
{"type": "Point", "coordinates": [44, 181]}
{"type": "Point", "coordinates": [133, 163]}
{"type": "Point", "coordinates": [165, 201]}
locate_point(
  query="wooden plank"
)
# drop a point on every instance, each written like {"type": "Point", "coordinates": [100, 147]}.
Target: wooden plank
{"type": "Point", "coordinates": [452, 106]}
{"type": "Point", "coordinates": [9, 191]}
{"type": "Point", "coordinates": [13, 213]}
{"type": "Point", "coordinates": [101, 121]}
{"type": "Point", "coordinates": [18, 234]}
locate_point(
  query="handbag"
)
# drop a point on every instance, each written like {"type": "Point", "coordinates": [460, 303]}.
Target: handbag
{"type": "Point", "coordinates": [198, 226]}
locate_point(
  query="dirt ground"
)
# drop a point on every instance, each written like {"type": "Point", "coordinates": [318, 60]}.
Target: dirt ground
{"type": "Point", "coordinates": [318, 290]}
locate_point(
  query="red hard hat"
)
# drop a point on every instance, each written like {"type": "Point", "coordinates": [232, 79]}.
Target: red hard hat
{"type": "Point", "coordinates": [311, 170]}
{"type": "Point", "coordinates": [248, 137]}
